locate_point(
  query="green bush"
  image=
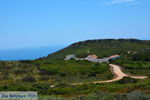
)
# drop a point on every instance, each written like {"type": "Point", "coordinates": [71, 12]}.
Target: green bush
{"type": "Point", "coordinates": [136, 95]}
{"type": "Point", "coordinates": [126, 80]}
{"type": "Point", "coordinates": [28, 79]}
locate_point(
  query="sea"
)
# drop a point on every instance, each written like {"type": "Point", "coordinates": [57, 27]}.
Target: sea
{"type": "Point", "coordinates": [28, 53]}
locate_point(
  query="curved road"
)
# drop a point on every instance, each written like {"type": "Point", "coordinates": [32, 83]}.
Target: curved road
{"type": "Point", "coordinates": [119, 75]}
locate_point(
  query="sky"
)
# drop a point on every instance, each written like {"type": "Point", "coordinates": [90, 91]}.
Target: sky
{"type": "Point", "coordinates": [35, 23]}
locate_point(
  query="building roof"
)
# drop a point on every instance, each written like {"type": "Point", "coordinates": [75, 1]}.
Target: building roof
{"type": "Point", "coordinates": [113, 56]}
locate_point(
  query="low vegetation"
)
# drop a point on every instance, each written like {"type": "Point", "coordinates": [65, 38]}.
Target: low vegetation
{"type": "Point", "coordinates": [135, 95]}
{"type": "Point", "coordinates": [55, 72]}
{"type": "Point", "coordinates": [40, 74]}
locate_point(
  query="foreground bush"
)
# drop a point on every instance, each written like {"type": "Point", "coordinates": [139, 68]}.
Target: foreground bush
{"type": "Point", "coordinates": [136, 95]}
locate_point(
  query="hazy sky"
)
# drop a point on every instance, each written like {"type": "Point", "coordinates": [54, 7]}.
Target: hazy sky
{"type": "Point", "coordinates": [33, 23]}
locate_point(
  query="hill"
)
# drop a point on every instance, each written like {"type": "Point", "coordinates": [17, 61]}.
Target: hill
{"type": "Point", "coordinates": [101, 48]}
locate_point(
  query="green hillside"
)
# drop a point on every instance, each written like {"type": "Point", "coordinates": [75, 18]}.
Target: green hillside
{"type": "Point", "coordinates": [101, 48]}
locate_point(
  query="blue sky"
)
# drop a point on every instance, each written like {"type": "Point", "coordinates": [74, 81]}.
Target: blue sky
{"type": "Point", "coordinates": [35, 23]}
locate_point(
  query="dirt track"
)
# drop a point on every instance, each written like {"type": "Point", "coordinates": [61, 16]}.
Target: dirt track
{"type": "Point", "coordinates": [118, 73]}
{"type": "Point", "coordinates": [118, 76]}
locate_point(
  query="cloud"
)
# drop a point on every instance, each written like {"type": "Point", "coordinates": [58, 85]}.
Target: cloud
{"type": "Point", "coordinates": [113, 2]}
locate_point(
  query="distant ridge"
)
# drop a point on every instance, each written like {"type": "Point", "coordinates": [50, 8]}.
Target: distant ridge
{"type": "Point", "coordinates": [100, 47]}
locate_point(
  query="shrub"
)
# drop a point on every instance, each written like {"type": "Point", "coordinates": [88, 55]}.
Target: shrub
{"type": "Point", "coordinates": [44, 78]}
{"type": "Point", "coordinates": [126, 80]}
{"type": "Point", "coordinates": [136, 95]}
{"type": "Point", "coordinates": [28, 79]}
{"type": "Point", "coordinates": [20, 71]}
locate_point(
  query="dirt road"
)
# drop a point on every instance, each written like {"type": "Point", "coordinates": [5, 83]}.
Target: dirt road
{"type": "Point", "coordinates": [118, 73]}
{"type": "Point", "coordinates": [118, 76]}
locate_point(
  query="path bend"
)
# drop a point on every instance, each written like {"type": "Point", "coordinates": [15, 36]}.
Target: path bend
{"type": "Point", "coordinates": [118, 73]}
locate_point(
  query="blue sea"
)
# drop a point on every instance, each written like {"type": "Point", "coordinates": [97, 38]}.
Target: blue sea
{"type": "Point", "coordinates": [28, 53]}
